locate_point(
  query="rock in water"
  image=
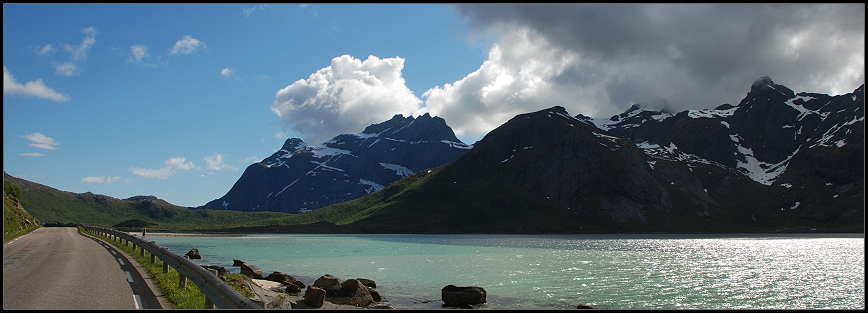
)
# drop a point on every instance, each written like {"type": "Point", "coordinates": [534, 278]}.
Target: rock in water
{"type": "Point", "coordinates": [193, 254]}
{"type": "Point", "coordinates": [252, 271]}
{"type": "Point", "coordinates": [462, 295]}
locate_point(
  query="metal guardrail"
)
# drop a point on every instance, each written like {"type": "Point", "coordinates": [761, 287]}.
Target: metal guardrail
{"type": "Point", "coordinates": [219, 292]}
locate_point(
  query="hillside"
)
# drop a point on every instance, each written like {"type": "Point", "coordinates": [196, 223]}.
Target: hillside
{"type": "Point", "coordinates": [16, 220]}
{"type": "Point", "coordinates": [51, 205]}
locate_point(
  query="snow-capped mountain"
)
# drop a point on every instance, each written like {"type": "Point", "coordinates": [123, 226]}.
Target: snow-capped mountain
{"type": "Point", "coordinates": [777, 161]}
{"type": "Point", "coordinates": [301, 177]}
{"type": "Point", "coordinates": [770, 130]}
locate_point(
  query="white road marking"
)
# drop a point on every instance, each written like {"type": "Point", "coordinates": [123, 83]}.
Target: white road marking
{"type": "Point", "coordinates": [138, 301]}
{"type": "Point", "coordinates": [129, 277]}
{"type": "Point", "coordinates": [121, 262]}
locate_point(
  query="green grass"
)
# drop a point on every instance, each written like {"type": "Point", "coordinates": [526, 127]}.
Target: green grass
{"type": "Point", "coordinates": [189, 297]}
{"type": "Point", "coordinates": [51, 205]}
{"type": "Point", "coordinates": [16, 221]}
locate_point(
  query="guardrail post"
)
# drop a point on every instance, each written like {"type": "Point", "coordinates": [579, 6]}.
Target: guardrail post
{"type": "Point", "coordinates": [182, 280]}
{"type": "Point", "coordinates": [165, 267]}
{"type": "Point", "coordinates": [153, 258]}
{"type": "Point", "coordinates": [208, 303]}
{"type": "Point", "coordinates": [143, 251]}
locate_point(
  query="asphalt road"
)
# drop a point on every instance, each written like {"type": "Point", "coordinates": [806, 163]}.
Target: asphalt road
{"type": "Point", "coordinates": [58, 268]}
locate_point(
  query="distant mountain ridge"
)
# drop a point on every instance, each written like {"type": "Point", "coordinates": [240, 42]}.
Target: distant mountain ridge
{"type": "Point", "coordinates": [771, 129]}
{"type": "Point", "coordinates": [777, 161]}
{"type": "Point", "coordinates": [300, 177]}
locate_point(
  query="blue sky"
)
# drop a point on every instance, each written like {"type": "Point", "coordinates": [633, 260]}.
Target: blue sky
{"type": "Point", "coordinates": [176, 100]}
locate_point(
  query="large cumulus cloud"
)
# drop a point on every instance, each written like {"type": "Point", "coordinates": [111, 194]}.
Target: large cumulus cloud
{"type": "Point", "coordinates": [694, 55]}
{"type": "Point", "coordinates": [597, 60]}
{"type": "Point", "coordinates": [345, 97]}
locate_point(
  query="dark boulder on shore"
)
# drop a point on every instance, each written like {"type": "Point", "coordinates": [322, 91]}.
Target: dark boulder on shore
{"type": "Point", "coordinates": [375, 294]}
{"type": "Point", "coordinates": [367, 282]}
{"type": "Point", "coordinates": [292, 285]}
{"type": "Point", "coordinates": [221, 271]}
{"type": "Point", "coordinates": [251, 271]}
{"type": "Point", "coordinates": [193, 254]}
{"type": "Point", "coordinates": [314, 296]}
{"type": "Point", "coordinates": [462, 296]}
{"type": "Point", "coordinates": [330, 283]}
{"type": "Point", "coordinates": [352, 292]}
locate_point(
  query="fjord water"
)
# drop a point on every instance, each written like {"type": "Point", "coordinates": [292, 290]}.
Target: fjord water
{"type": "Point", "coordinates": [775, 271]}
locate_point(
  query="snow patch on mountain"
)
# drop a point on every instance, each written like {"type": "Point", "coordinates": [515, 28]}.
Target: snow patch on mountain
{"type": "Point", "coordinates": [324, 151]}
{"type": "Point", "coordinates": [803, 111]}
{"type": "Point", "coordinates": [374, 187]}
{"type": "Point", "coordinates": [610, 139]}
{"type": "Point", "coordinates": [827, 139]}
{"type": "Point", "coordinates": [672, 153]}
{"type": "Point", "coordinates": [711, 113]}
{"type": "Point", "coordinates": [633, 112]}
{"type": "Point", "coordinates": [457, 145]}
{"type": "Point", "coordinates": [399, 170]}
{"type": "Point", "coordinates": [759, 171]}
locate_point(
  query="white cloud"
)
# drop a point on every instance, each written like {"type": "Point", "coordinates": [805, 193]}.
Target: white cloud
{"type": "Point", "coordinates": [162, 173]}
{"type": "Point", "coordinates": [167, 171]}
{"type": "Point", "coordinates": [250, 159]}
{"type": "Point", "coordinates": [226, 72]}
{"type": "Point", "coordinates": [66, 69]}
{"type": "Point", "coordinates": [178, 162]}
{"type": "Point", "coordinates": [345, 97]}
{"type": "Point", "coordinates": [100, 180]}
{"type": "Point", "coordinates": [248, 11]}
{"type": "Point", "coordinates": [138, 53]}
{"type": "Point", "coordinates": [41, 141]}
{"type": "Point", "coordinates": [32, 154]}
{"type": "Point", "coordinates": [216, 163]}
{"type": "Point", "coordinates": [187, 45]}
{"type": "Point", "coordinates": [45, 50]}
{"type": "Point", "coordinates": [685, 56]}
{"type": "Point", "coordinates": [521, 75]}
{"type": "Point", "coordinates": [33, 88]}
{"type": "Point", "coordinates": [79, 52]}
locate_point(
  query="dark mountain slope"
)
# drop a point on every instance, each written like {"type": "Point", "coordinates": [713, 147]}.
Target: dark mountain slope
{"type": "Point", "coordinates": [300, 178]}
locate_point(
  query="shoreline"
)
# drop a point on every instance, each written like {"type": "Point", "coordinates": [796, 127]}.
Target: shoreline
{"type": "Point", "coordinates": [192, 234]}
{"type": "Point", "coordinates": [590, 236]}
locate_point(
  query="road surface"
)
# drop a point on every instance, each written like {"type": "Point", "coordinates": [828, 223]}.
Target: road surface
{"type": "Point", "coordinates": [58, 268]}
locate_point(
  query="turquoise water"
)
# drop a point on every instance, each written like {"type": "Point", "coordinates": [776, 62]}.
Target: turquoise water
{"type": "Point", "coordinates": [562, 271]}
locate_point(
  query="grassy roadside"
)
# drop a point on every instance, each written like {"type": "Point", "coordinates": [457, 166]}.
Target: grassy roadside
{"type": "Point", "coordinates": [189, 297]}
{"type": "Point", "coordinates": [16, 221]}
{"type": "Point", "coordinates": [18, 233]}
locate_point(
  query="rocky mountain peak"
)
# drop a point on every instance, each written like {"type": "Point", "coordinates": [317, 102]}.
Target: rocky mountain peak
{"type": "Point", "coordinates": [764, 85]}
{"type": "Point", "coordinates": [300, 177]}
{"type": "Point", "coordinates": [423, 128]}
{"type": "Point", "coordinates": [292, 144]}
